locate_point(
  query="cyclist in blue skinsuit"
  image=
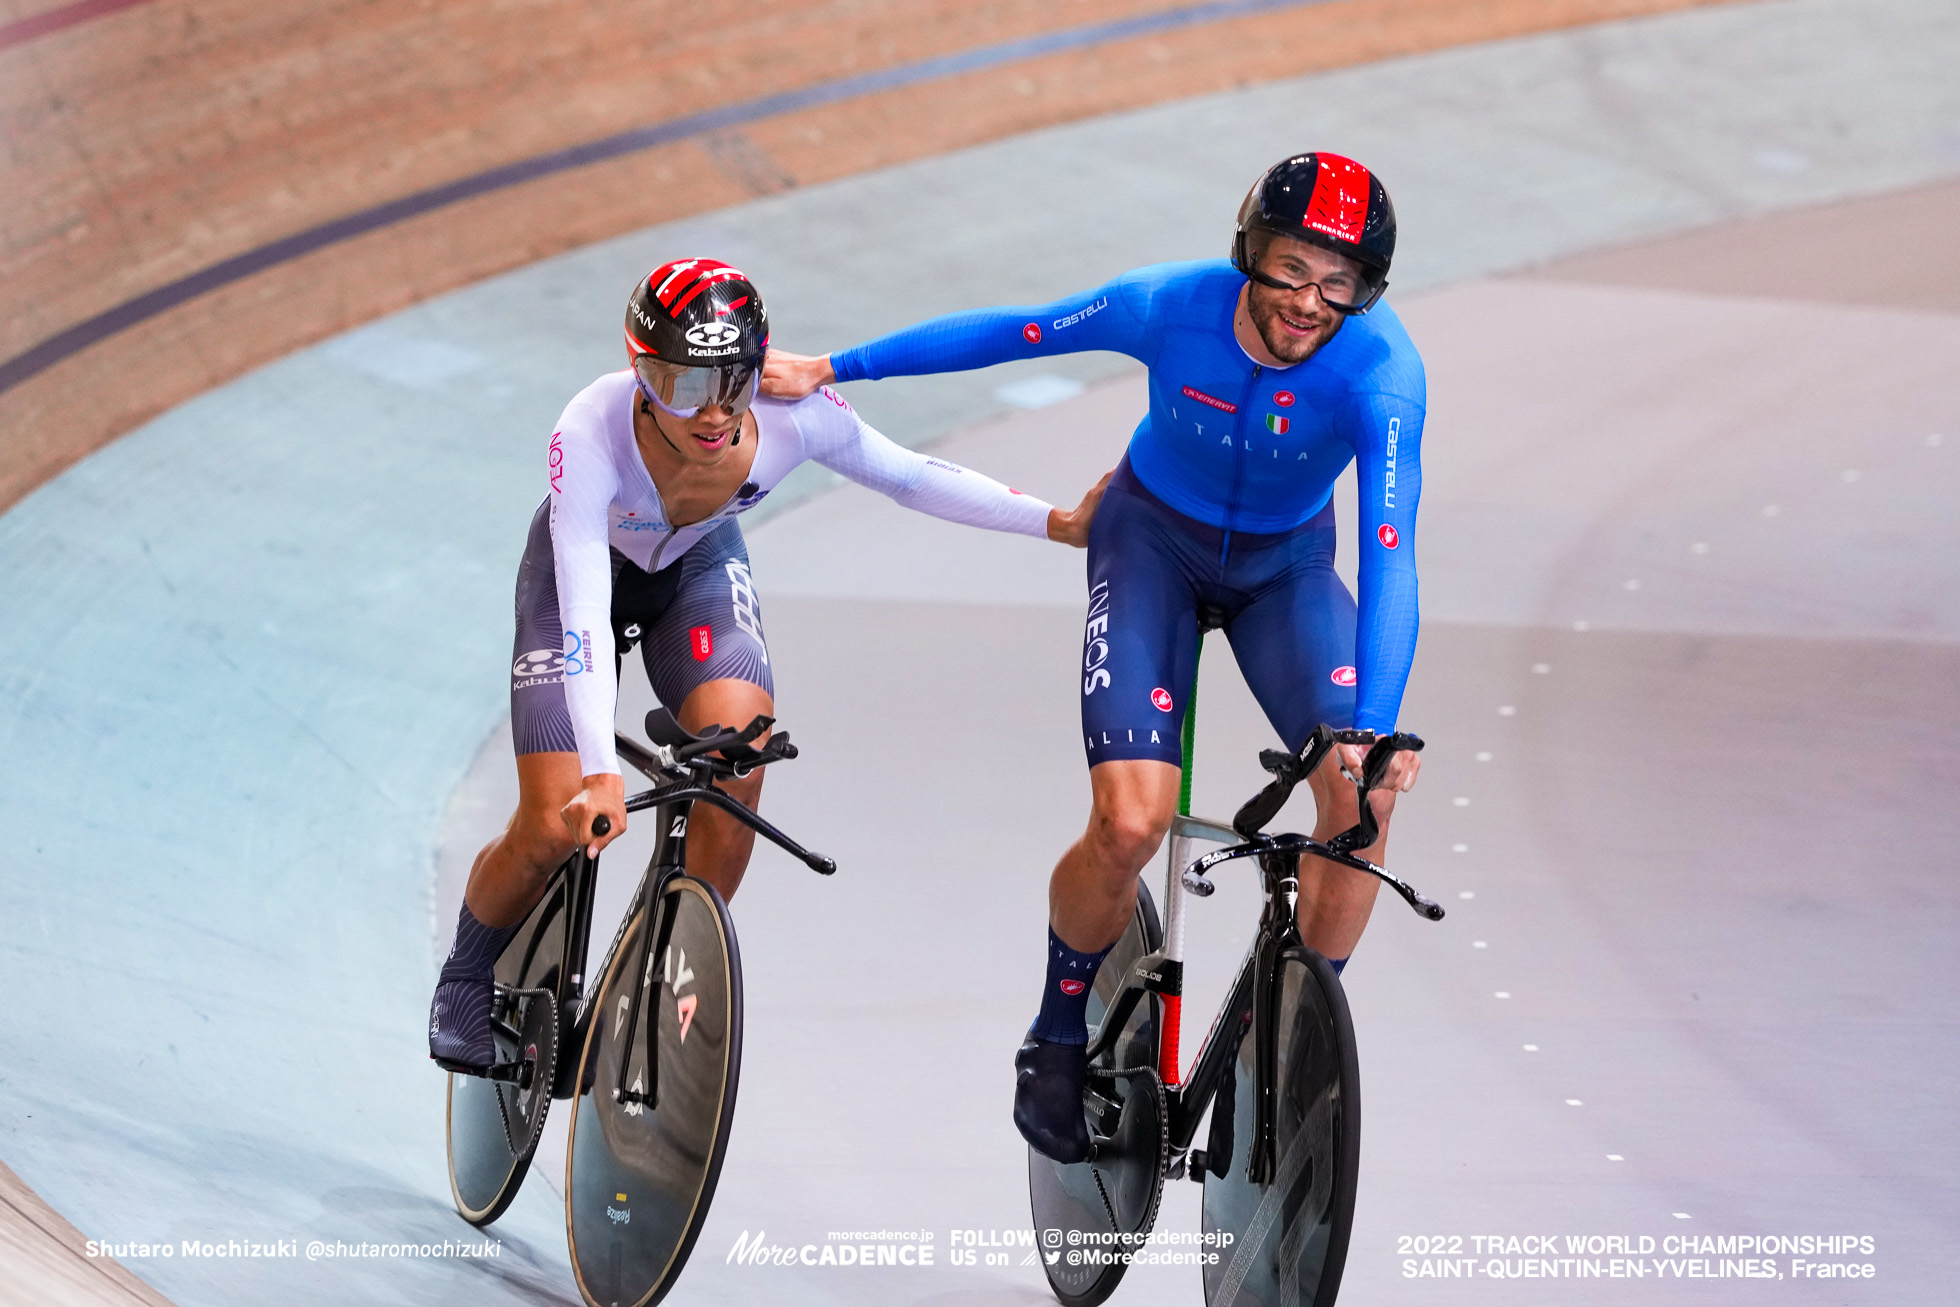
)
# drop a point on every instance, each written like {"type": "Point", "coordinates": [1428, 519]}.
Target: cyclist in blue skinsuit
{"type": "Point", "coordinates": [1266, 380]}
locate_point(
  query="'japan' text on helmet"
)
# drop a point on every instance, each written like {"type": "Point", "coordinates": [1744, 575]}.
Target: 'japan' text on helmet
{"type": "Point", "coordinates": [1326, 200]}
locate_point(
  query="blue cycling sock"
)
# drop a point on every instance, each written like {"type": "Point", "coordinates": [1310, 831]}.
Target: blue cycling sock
{"type": "Point", "coordinates": [1065, 996]}
{"type": "Point", "coordinates": [474, 954]}
{"type": "Point", "coordinates": [1339, 964]}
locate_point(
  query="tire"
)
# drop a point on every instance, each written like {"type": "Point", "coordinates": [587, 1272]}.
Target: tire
{"type": "Point", "coordinates": [493, 1126]}
{"type": "Point", "coordinates": [1290, 1237]}
{"type": "Point", "coordinates": [1118, 1193]}
{"type": "Point", "coordinates": [639, 1179]}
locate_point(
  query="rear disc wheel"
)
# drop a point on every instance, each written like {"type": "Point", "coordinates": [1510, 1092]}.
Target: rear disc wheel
{"type": "Point", "coordinates": [1088, 1207]}
{"type": "Point", "coordinates": [493, 1126]}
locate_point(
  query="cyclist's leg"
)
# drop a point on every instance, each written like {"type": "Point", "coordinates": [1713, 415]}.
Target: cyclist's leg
{"type": "Point", "coordinates": [511, 872]}
{"type": "Point", "coordinates": [1093, 890]}
{"type": "Point", "coordinates": [718, 846]}
{"type": "Point", "coordinates": [1139, 652]}
{"type": "Point", "coordinates": [1335, 902]}
{"type": "Point", "coordinates": [1295, 644]}
{"type": "Point", "coordinates": [705, 651]}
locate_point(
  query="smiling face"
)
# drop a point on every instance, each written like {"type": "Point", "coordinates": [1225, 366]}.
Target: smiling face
{"type": "Point", "coordinates": [704, 436]}
{"type": "Point", "coordinates": [703, 439]}
{"type": "Point", "coordinates": [1292, 324]}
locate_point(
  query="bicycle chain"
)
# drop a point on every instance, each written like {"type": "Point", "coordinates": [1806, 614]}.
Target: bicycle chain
{"type": "Point", "coordinates": [1115, 1222]}
{"type": "Point", "coordinates": [1163, 1151]}
{"type": "Point", "coordinates": [503, 1107]}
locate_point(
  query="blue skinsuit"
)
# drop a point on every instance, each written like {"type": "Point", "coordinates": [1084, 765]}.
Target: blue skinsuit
{"type": "Point", "coordinates": [1233, 466]}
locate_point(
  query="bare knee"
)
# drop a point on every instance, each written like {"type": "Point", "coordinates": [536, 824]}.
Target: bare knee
{"type": "Point", "coordinates": [1125, 833]}
{"type": "Point", "coordinates": [1338, 806]}
{"type": "Point", "coordinates": [1334, 801]}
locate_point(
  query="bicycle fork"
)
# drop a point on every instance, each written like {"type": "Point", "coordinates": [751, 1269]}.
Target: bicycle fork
{"type": "Point", "coordinates": [1277, 929]}
{"type": "Point", "coordinates": [669, 860]}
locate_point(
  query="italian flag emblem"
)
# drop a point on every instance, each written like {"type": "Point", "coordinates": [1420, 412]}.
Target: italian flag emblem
{"type": "Point", "coordinates": [1277, 424]}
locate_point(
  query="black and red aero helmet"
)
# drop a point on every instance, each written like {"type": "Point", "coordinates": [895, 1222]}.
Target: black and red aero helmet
{"type": "Point", "coordinates": [697, 313]}
{"type": "Point", "coordinates": [1327, 200]}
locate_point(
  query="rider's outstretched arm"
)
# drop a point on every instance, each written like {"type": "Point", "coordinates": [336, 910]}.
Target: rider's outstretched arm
{"type": "Point", "coordinates": [835, 436]}
{"type": "Point", "coordinates": [1388, 461]}
{"type": "Point", "coordinates": [1120, 316]}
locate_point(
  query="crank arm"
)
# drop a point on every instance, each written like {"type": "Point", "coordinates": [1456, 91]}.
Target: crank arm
{"type": "Point", "coordinates": [510, 1073]}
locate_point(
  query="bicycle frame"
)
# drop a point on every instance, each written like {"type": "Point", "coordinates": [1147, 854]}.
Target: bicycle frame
{"type": "Point", "coordinates": [1162, 973]}
{"type": "Point", "coordinates": [680, 784]}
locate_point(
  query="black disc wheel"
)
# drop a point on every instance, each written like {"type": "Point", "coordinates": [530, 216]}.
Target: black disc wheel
{"type": "Point", "coordinates": [639, 1174]}
{"type": "Point", "coordinates": [1290, 1236]}
{"type": "Point", "coordinates": [494, 1125]}
{"type": "Point", "coordinates": [1084, 1212]}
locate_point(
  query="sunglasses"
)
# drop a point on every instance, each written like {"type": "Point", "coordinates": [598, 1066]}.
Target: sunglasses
{"type": "Point", "coordinates": [683, 392]}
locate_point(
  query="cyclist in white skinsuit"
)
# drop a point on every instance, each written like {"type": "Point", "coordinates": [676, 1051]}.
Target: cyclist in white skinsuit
{"type": "Point", "coordinates": [637, 542]}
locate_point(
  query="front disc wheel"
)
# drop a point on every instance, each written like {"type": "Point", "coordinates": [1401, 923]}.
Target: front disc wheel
{"type": "Point", "coordinates": [639, 1175]}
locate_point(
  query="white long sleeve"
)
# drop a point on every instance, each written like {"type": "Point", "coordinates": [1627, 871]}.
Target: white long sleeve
{"type": "Point", "coordinates": [604, 501]}
{"type": "Point", "coordinates": [835, 436]}
{"type": "Point", "coordinates": [584, 483]}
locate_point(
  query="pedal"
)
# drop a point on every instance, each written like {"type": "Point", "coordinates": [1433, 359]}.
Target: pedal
{"type": "Point", "coordinates": [1196, 1170]}
{"type": "Point", "coordinates": [517, 1073]}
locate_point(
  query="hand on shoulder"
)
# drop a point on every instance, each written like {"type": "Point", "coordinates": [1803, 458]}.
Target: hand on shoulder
{"type": "Point", "coordinates": [793, 376]}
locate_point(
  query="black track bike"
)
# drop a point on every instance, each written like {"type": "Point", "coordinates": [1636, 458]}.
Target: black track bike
{"type": "Point", "coordinates": [649, 1053]}
{"type": "Point", "coordinates": [1278, 1069]}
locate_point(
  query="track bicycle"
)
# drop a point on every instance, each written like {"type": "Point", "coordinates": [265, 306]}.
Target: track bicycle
{"type": "Point", "coordinates": [1278, 1069]}
{"type": "Point", "coordinates": [650, 1052]}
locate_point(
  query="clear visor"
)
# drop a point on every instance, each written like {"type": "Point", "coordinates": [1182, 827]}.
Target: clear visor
{"type": "Point", "coordinates": [1293, 265]}
{"type": "Point", "coordinates": [684, 392]}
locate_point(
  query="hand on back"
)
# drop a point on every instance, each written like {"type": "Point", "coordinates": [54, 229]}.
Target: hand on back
{"type": "Point", "coordinates": [1072, 527]}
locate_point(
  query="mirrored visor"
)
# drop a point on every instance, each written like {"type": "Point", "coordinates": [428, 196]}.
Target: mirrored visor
{"type": "Point", "coordinates": [684, 391]}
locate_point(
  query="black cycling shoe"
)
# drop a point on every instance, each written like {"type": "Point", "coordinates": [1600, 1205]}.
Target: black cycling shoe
{"type": "Point", "coordinates": [459, 1025]}
{"type": "Point", "coordinates": [1048, 1083]}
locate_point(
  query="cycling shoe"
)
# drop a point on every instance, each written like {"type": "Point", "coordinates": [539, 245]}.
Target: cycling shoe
{"type": "Point", "coordinates": [459, 1024]}
{"type": "Point", "coordinates": [1048, 1083]}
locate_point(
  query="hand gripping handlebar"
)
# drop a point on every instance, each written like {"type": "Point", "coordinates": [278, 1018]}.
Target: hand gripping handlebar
{"type": "Point", "coordinates": [1288, 770]}
{"type": "Point", "coordinates": [684, 761]}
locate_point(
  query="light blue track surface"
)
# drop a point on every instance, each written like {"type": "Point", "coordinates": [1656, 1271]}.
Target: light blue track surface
{"type": "Point", "coordinates": [250, 649]}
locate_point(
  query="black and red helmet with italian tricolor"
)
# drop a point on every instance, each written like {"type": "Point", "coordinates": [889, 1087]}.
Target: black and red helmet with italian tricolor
{"type": "Point", "coordinates": [1326, 200]}
{"type": "Point", "coordinates": [696, 333]}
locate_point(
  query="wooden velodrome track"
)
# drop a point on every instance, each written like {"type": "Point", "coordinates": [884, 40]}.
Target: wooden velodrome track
{"type": "Point", "coordinates": [151, 143]}
{"type": "Point", "coordinates": [271, 137]}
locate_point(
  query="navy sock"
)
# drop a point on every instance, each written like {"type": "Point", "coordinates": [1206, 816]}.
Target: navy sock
{"type": "Point", "coordinates": [1065, 996]}
{"type": "Point", "coordinates": [474, 954]}
{"type": "Point", "coordinates": [1339, 964]}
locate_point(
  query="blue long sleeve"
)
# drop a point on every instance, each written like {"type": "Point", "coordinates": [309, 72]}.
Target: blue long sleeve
{"type": "Point", "coordinates": [1388, 464]}
{"type": "Point", "coordinates": [1105, 318]}
{"type": "Point", "coordinates": [1228, 441]}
